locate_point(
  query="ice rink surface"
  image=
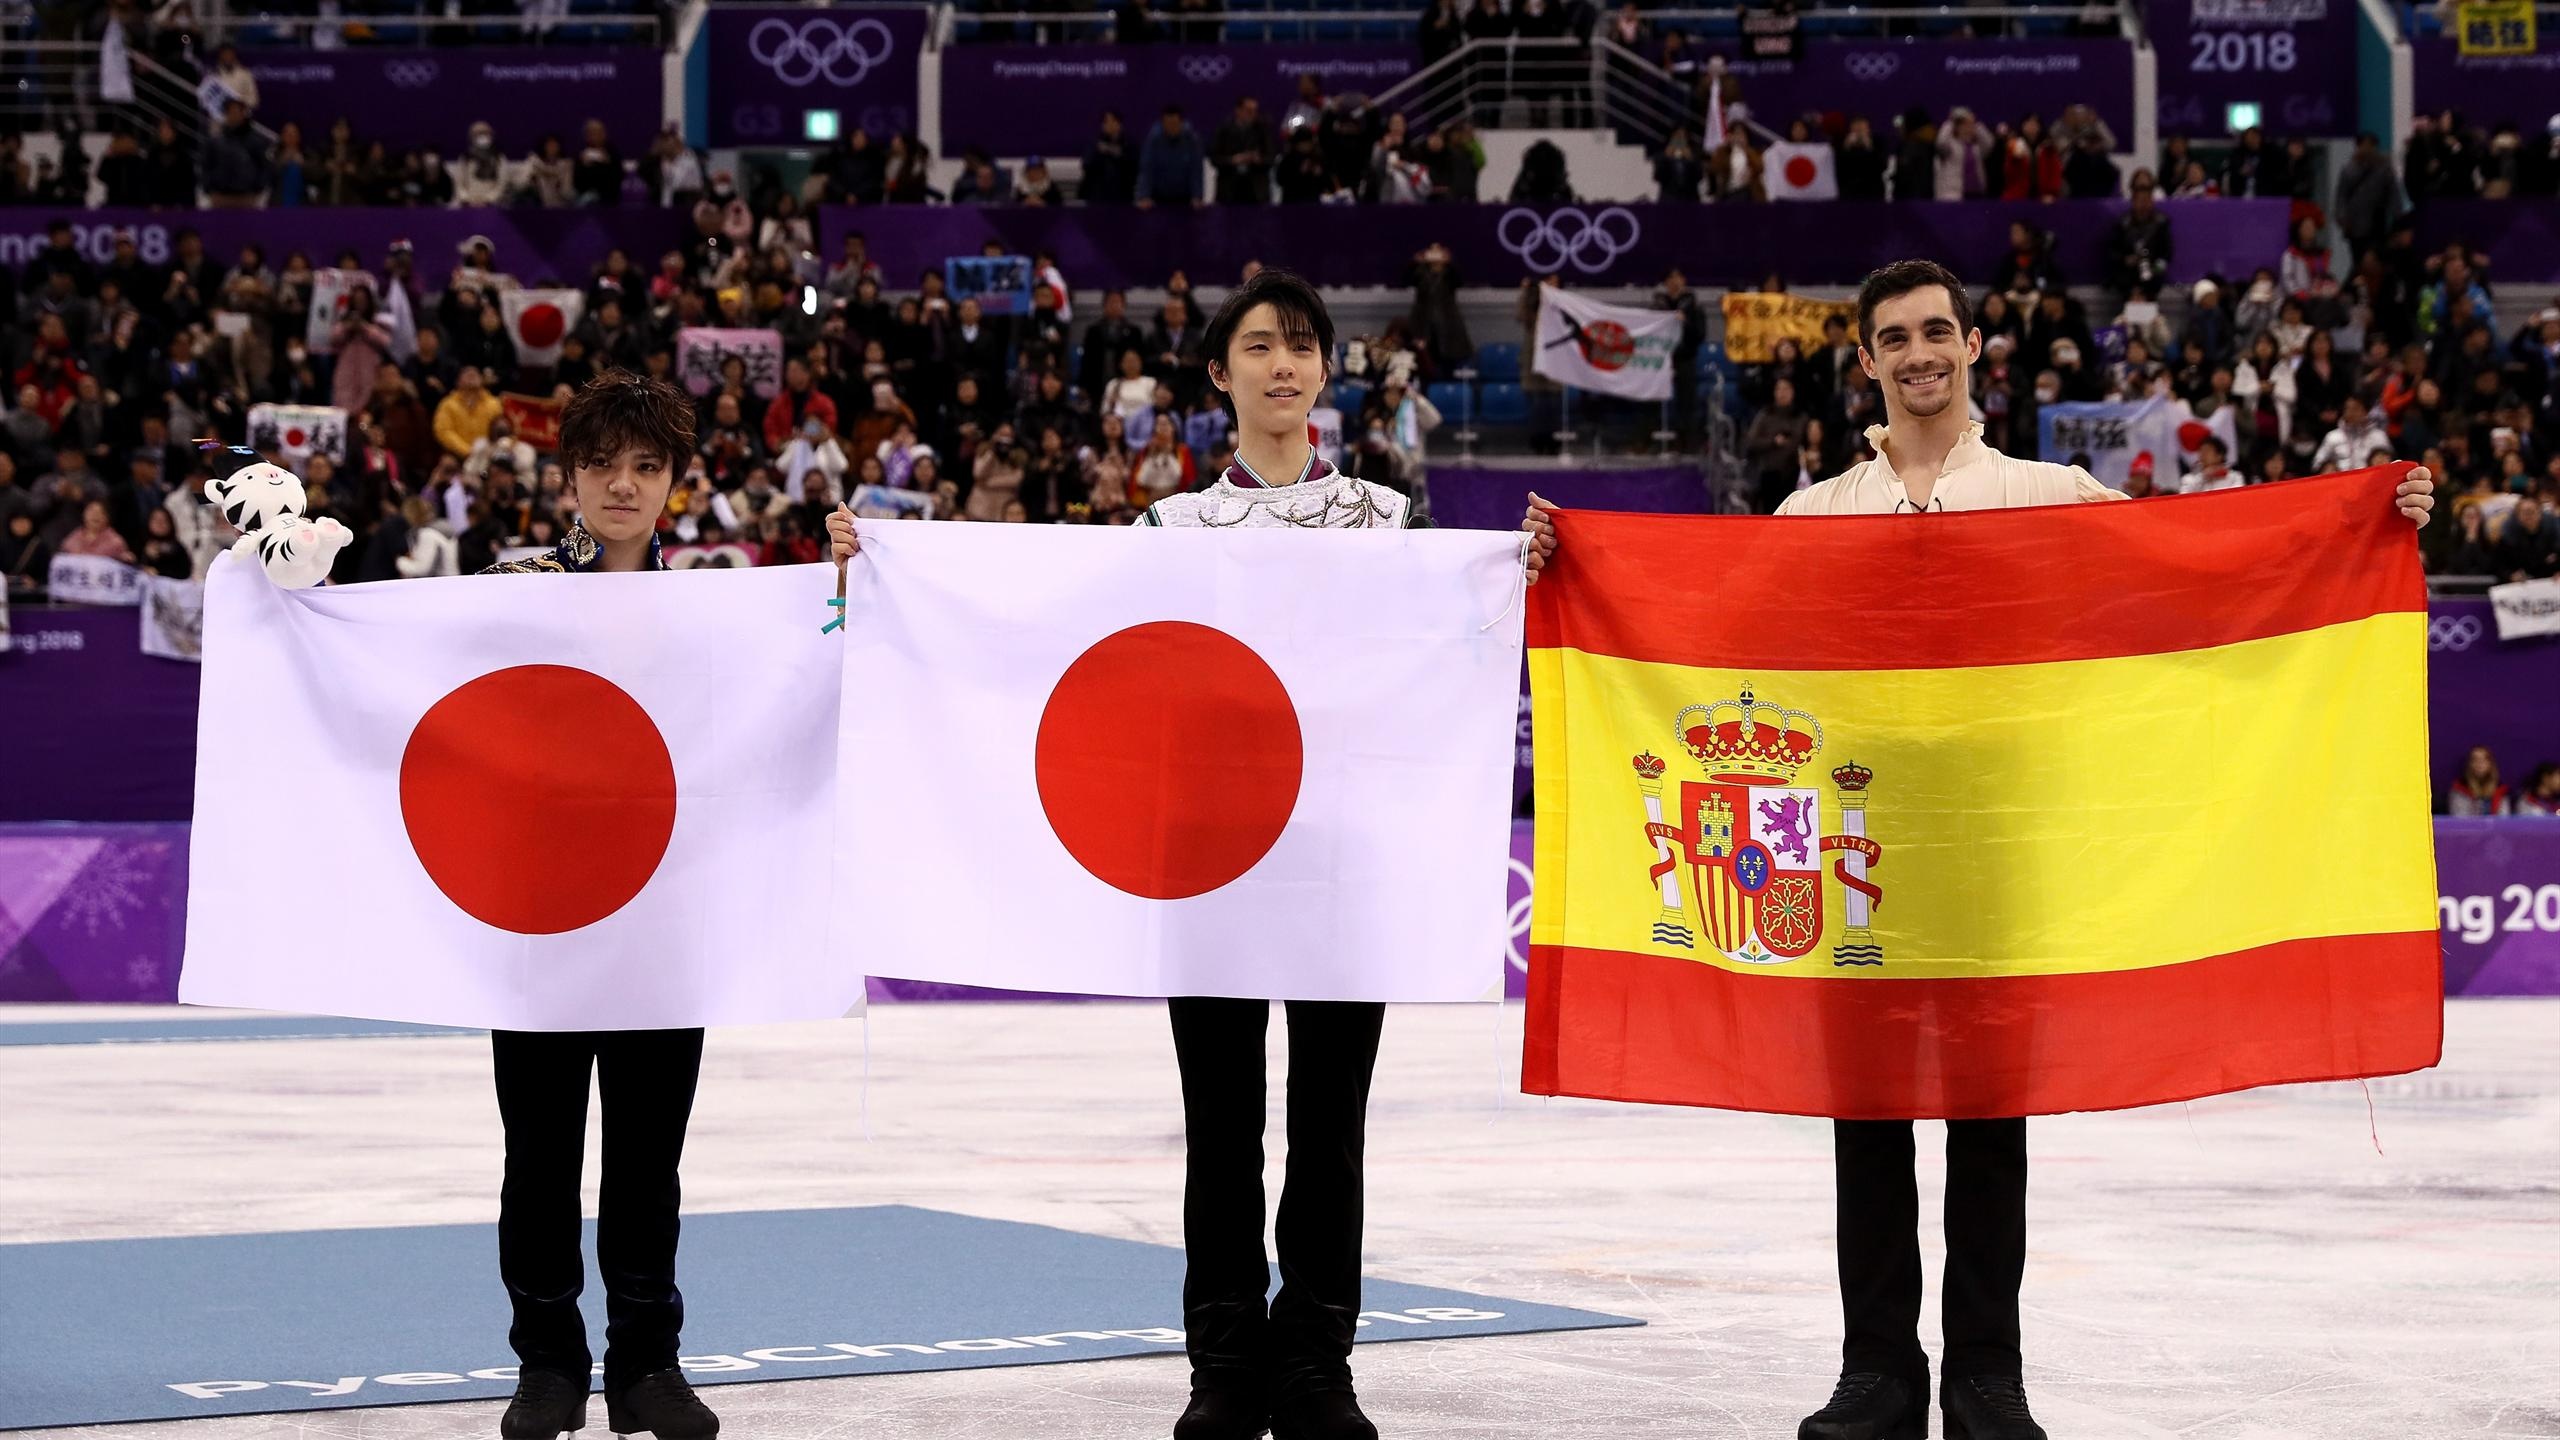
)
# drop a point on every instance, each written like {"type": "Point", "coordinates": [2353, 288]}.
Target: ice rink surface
{"type": "Point", "coordinates": [2242, 1268]}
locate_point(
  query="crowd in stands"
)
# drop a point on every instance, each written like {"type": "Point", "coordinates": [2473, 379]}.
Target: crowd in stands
{"type": "Point", "coordinates": [935, 406]}
{"type": "Point", "coordinates": [2481, 791]}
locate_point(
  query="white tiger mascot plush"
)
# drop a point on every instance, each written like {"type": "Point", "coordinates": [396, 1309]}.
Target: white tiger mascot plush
{"type": "Point", "coordinates": [265, 503]}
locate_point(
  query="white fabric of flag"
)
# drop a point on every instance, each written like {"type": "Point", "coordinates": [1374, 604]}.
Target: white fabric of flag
{"type": "Point", "coordinates": [1260, 763]}
{"type": "Point", "coordinates": [1794, 170]}
{"type": "Point", "coordinates": [536, 802]}
{"type": "Point", "coordinates": [539, 320]}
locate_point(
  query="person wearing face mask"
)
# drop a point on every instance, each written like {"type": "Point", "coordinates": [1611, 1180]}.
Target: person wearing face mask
{"type": "Point", "coordinates": [486, 177]}
{"type": "Point", "coordinates": [1915, 327]}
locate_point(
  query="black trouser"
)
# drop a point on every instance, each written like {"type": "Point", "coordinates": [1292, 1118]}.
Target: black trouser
{"type": "Point", "coordinates": [1879, 1220]}
{"type": "Point", "coordinates": [1300, 1341]}
{"type": "Point", "coordinates": [645, 1081]}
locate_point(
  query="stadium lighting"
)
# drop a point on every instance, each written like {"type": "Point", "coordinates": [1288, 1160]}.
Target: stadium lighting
{"type": "Point", "coordinates": [2241, 115]}
{"type": "Point", "coordinates": [821, 125]}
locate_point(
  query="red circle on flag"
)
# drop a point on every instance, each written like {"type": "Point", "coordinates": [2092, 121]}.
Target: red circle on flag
{"type": "Point", "coordinates": [293, 438]}
{"type": "Point", "coordinates": [542, 326]}
{"type": "Point", "coordinates": [1169, 759]}
{"type": "Point", "coordinates": [539, 798]}
{"type": "Point", "coordinates": [1799, 171]}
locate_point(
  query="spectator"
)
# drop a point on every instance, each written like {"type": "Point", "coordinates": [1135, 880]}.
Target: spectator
{"type": "Point", "coordinates": [2358, 434]}
{"type": "Point", "coordinates": [1169, 166]}
{"type": "Point", "coordinates": [1302, 176]}
{"type": "Point", "coordinates": [1774, 446]}
{"type": "Point", "coordinates": [598, 172]}
{"type": "Point", "coordinates": [237, 168]}
{"type": "Point", "coordinates": [1859, 164]}
{"type": "Point", "coordinates": [798, 400]}
{"type": "Point", "coordinates": [1110, 172]}
{"type": "Point", "coordinates": [673, 171]}
{"type": "Point", "coordinates": [1735, 169]}
{"type": "Point", "coordinates": [548, 179]}
{"type": "Point", "coordinates": [362, 344]}
{"type": "Point", "coordinates": [1242, 154]}
{"type": "Point", "coordinates": [161, 553]}
{"type": "Point", "coordinates": [907, 165]}
{"type": "Point", "coordinates": [235, 79]}
{"type": "Point", "coordinates": [1163, 468]}
{"type": "Point", "coordinates": [2540, 797]}
{"type": "Point", "coordinates": [2212, 469]}
{"type": "Point", "coordinates": [982, 182]}
{"type": "Point", "coordinates": [2138, 244]}
{"type": "Point", "coordinates": [1443, 30]}
{"type": "Point", "coordinates": [2368, 200]}
{"type": "Point", "coordinates": [2029, 266]}
{"type": "Point", "coordinates": [483, 177]}
{"type": "Point", "coordinates": [1962, 167]}
{"type": "Point", "coordinates": [2477, 790]}
{"type": "Point", "coordinates": [1915, 165]}
{"type": "Point", "coordinates": [1036, 187]}
{"type": "Point", "coordinates": [2528, 545]}
{"type": "Point", "coordinates": [1174, 344]}
{"type": "Point", "coordinates": [2079, 125]}
{"type": "Point", "coordinates": [2304, 271]}
{"type": "Point", "coordinates": [464, 417]}
{"type": "Point", "coordinates": [2089, 173]}
{"type": "Point", "coordinates": [1678, 173]}
{"type": "Point", "coordinates": [1543, 180]}
{"type": "Point", "coordinates": [96, 535]}
{"type": "Point", "coordinates": [2030, 164]}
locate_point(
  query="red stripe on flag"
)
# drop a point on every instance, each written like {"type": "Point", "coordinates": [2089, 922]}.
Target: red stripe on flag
{"type": "Point", "coordinates": [1612, 1025]}
{"type": "Point", "coordinates": [1991, 587]}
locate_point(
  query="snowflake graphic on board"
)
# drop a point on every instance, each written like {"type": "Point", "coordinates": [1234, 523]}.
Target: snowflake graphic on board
{"type": "Point", "coordinates": [142, 972]}
{"type": "Point", "coordinates": [112, 890]}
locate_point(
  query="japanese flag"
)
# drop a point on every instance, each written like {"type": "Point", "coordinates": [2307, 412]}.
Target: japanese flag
{"type": "Point", "coordinates": [538, 802]}
{"type": "Point", "coordinates": [539, 320]}
{"type": "Point", "coordinates": [1796, 171]}
{"type": "Point", "coordinates": [1258, 763]}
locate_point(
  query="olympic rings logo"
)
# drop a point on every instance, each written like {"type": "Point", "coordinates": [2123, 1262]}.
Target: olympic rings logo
{"type": "Point", "coordinates": [1872, 65]}
{"type": "Point", "coordinates": [2453, 632]}
{"type": "Point", "coordinates": [840, 54]}
{"type": "Point", "coordinates": [1589, 243]}
{"type": "Point", "coordinates": [1205, 69]}
{"type": "Point", "coordinates": [410, 74]}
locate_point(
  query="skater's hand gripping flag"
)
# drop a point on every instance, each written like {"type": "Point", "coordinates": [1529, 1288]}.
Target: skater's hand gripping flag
{"type": "Point", "coordinates": [1261, 763]}
{"type": "Point", "coordinates": [1986, 814]}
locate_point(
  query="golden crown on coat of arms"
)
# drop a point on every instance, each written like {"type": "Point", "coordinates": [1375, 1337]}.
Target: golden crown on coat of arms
{"type": "Point", "coordinates": [1852, 776]}
{"type": "Point", "coordinates": [1649, 766]}
{"type": "Point", "coordinates": [1746, 740]}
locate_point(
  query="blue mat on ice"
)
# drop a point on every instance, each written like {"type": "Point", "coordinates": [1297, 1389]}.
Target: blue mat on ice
{"type": "Point", "coordinates": [98, 1331]}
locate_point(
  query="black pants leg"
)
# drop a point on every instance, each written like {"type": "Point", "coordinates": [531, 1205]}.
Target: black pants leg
{"type": "Point", "coordinates": [645, 1081]}
{"type": "Point", "coordinates": [1333, 1050]}
{"type": "Point", "coordinates": [1301, 1340]}
{"type": "Point", "coordinates": [1879, 1221]}
{"type": "Point", "coordinates": [542, 1099]}
{"type": "Point", "coordinates": [542, 1082]}
{"type": "Point", "coordinates": [1226, 1278]}
{"type": "Point", "coordinates": [1986, 1245]}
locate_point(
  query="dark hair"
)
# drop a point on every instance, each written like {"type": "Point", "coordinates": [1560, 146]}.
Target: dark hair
{"type": "Point", "coordinates": [1302, 317]}
{"type": "Point", "coordinates": [618, 411]}
{"type": "Point", "coordinates": [1901, 278]}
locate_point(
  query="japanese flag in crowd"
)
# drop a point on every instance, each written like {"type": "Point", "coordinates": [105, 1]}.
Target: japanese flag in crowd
{"type": "Point", "coordinates": [1258, 763]}
{"type": "Point", "coordinates": [1614, 349]}
{"type": "Point", "coordinates": [539, 320]}
{"type": "Point", "coordinates": [294, 433]}
{"type": "Point", "coordinates": [1793, 170]}
{"type": "Point", "coordinates": [538, 802]}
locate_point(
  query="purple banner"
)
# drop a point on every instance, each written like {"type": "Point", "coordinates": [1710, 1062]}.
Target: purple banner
{"type": "Point", "coordinates": [770, 66]}
{"type": "Point", "coordinates": [2498, 904]}
{"type": "Point", "coordinates": [2521, 234]}
{"type": "Point", "coordinates": [536, 246]}
{"type": "Point", "coordinates": [2296, 59]}
{"type": "Point", "coordinates": [1053, 96]}
{"type": "Point", "coordinates": [2485, 691]}
{"type": "Point", "coordinates": [407, 98]}
{"type": "Point", "coordinates": [1880, 79]}
{"type": "Point", "coordinates": [1835, 243]}
{"type": "Point", "coordinates": [2521, 89]}
{"type": "Point", "coordinates": [97, 729]}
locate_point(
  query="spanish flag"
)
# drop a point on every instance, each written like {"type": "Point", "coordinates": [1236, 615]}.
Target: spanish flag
{"type": "Point", "coordinates": [1985, 814]}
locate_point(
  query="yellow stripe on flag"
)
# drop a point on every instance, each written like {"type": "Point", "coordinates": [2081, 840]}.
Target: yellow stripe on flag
{"type": "Point", "coordinates": [2040, 819]}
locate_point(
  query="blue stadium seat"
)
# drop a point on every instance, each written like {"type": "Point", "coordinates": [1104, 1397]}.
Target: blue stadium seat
{"type": "Point", "coordinates": [1450, 397]}
{"type": "Point", "coordinates": [1348, 397]}
{"type": "Point", "coordinates": [1500, 362]}
{"type": "Point", "coordinates": [1504, 404]}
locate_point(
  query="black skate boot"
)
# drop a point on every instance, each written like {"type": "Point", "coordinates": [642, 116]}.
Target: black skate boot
{"type": "Point", "coordinates": [661, 1403]}
{"type": "Point", "coordinates": [1868, 1406]}
{"type": "Point", "coordinates": [1988, 1407]}
{"type": "Point", "coordinates": [548, 1403]}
